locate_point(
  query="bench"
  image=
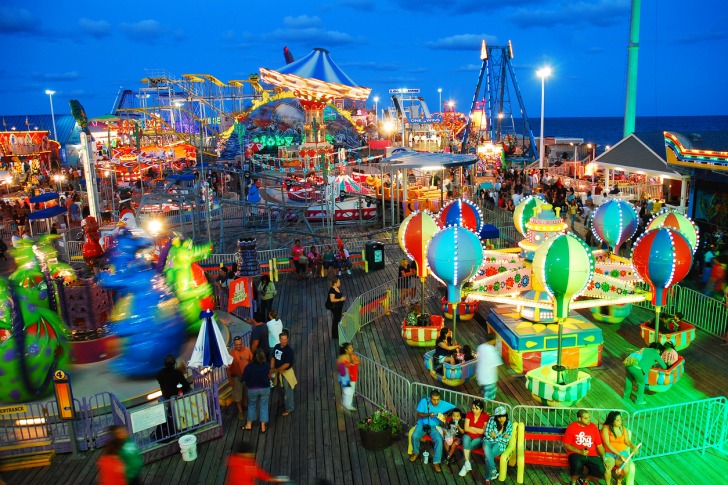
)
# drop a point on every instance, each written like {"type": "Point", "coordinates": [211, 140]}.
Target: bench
{"type": "Point", "coordinates": [508, 457]}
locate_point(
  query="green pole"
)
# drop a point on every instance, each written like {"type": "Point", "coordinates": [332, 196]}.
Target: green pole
{"type": "Point", "coordinates": [630, 105]}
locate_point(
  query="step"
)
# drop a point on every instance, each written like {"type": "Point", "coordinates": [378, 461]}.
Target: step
{"type": "Point", "coordinates": [26, 460]}
{"type": "Point", "coordinates": [19, 445]}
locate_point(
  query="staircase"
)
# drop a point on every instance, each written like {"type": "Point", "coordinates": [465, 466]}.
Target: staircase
{"type": "Point", "coordinates": [26, 454]}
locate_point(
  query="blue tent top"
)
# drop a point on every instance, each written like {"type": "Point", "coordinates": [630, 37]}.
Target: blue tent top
{"type": "Point", "coordinates": [54, 211]}
{"type": "Point", "coordinates": [489, 231]}
{"type": "Point", "coordinates": [318, 65]}
{"type": "Point", "coordinates": [44, 197]}
{"type": "Point", "coordinates": [181, 177]}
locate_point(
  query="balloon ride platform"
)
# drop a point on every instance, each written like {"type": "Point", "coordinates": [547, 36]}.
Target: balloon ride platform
{"type": "Point", "coordinates": [526, 345]}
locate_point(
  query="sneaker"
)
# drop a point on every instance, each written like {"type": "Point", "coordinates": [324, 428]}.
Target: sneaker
{"type": "Point", "coordinates": [465, 469]}
{"type": "Point", "coordinates": [348, 271]}
{"type": "Point", "coordinates": [339, 273]}
{"type": "Point", "coordinates": [350, 408]}
{"type": "Point", "coordinates": [414, 456]}
{"type": "Point", "coordinates": [446, 461]}
{"type": "Point", "coordinates": [494, 474]}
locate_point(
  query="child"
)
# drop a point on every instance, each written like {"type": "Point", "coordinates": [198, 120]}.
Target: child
{"type": "Point", "coordinates": [453, 433]}
{"type": "Point", "coordinates": [468, 353]}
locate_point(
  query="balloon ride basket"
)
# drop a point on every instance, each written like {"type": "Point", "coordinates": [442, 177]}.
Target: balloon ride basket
{"type": "Point", "coordinates": [611, 313]}
{"type": "Point", "coordinates": [546, 389]}
{"type": "Point", "coordinates": [423, 335]}
{"type": "Point", "coordinates": [680, 339]}
{"type": "Point", "coordinates": [660, 380]}
{"type": "Point", "coordinates": [452, 375]}
{"type": "Point", "coordinates": [466, 309]}
{"type": "Point", "coordinates": [95, 350]}
{"type": "Point", "coordinates": [526, 346]}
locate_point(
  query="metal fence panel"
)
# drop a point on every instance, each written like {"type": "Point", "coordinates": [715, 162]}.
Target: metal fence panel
{"type": "Point", "coordinates": [677, 428]}
{"type": "Point", "coordinates": [383, 387]}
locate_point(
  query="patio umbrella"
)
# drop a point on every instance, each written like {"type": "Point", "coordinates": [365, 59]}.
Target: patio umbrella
{"type": "Point", "coordinates": [210, 350]}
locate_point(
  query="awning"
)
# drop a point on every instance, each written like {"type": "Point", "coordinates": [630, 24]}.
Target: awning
{"type": "Point", "coordinates": [432, 161]}
{"type": "Point", "coordinates": [54, 211]}
{"type": "Point", "coordinates": [44, 197]}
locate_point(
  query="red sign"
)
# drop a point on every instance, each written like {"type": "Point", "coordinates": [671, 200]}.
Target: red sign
{"type": "Point", "coordinates": [241, 293]}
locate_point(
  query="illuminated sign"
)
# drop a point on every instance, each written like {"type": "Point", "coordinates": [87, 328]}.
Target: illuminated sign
{"type": "Point", "coordinates": [273, 140]}
{"type": "Point", "coordinates": [404, 91]}
{"type": "Point", "coordinates": [64, 395]}
{"type": "Point", "coordinates": [431, 119]}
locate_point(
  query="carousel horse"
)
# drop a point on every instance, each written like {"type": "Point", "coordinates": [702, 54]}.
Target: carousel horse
{"type": "Point", "coordinates": [145, 316]}
{"type": "Point", "coordinates": [32, 337]}
{"type": "Point", "coordinates": [188, 280]}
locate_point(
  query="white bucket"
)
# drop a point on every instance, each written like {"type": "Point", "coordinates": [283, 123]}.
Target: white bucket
{"type": "Point", "coordinates": [188, 447]}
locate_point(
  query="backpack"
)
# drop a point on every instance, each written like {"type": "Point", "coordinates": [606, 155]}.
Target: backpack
{"type": "Point", "coordinates": [327, 303]}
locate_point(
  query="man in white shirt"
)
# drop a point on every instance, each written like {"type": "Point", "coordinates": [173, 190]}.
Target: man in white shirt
{"type": "Point", "coordinates": [486, 371]}
{"type": "Point", "coordinates": [516, 198]}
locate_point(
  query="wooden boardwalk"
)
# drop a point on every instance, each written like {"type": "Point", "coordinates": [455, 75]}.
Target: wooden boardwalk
{"type": "Point", "coordinates": [319, 441]}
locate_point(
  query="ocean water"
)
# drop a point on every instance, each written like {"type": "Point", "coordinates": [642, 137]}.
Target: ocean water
{"type": "Point", "coordinates": [606, 131]}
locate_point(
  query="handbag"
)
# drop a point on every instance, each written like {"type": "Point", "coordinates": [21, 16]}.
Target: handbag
{"type": "Point", "coordinates": [303, 260]}
{"type": "Point", "coordinates": [345, 380]}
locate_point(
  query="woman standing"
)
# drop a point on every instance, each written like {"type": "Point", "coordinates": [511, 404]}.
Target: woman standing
{"type": "Point", "coordinates": [475, 421]}
{"type": "Point", "coordinates": [617, 446]}
{"type": "Point", "coordinates": [336, 300]}
{"type": "Point", "coordinates": [497, 436]}
{"type": "Point", "coordinates": [348, 362]}
{"type": "Point", "coordinates": [300, 261]}
{"type": "Point", "coordinates": [255, 376]}
{"type": "Point", "coordinates": [266, 290]}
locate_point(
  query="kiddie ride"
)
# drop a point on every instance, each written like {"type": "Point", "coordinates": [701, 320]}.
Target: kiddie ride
{"type": "Point", "coordinates": [453, 255]}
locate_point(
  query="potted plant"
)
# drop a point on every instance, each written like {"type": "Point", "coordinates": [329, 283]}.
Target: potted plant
{"type": "Point", "coordinates": [378, 429]}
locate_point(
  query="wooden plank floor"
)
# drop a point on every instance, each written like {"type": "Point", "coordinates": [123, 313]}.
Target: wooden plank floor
{"type": "Point", "coordinates": [320, 441]}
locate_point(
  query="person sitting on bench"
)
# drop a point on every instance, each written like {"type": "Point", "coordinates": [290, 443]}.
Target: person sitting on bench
{"type": "Point", "coordinates": [583, 443]}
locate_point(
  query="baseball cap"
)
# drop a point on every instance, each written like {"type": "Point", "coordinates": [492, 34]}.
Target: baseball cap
{"type": "Point", "coordinates": [500, 411]}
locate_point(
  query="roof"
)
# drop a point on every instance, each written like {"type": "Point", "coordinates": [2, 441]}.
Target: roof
{"type": "Point", "coordinates": [429, 160]}
{"type": "Point", "coordinates": [632, 154]}
{"type": "Point", "coordinates": [318, 65]}
{"type": "Point", "coordinates": [65, 124]}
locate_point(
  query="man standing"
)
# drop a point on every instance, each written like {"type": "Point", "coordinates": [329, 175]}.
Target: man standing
{"type": "Point", "coordinates": [583, 444]}
{"type": "Point", "coordinates": [487, 367]}
{"type": "Point", "coordinates": [259, 335]}
{"type": "Point", "coordinates": [429, 414]}
{"type": "Point", "coordinates": [171, 380]}
{"type": "Point", "coordinates": [282, 365]}
{"type": "Point", "coordinates": [241, 357]}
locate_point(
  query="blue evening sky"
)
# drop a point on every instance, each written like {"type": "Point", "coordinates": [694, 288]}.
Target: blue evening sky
{"type": "Point", "coordinates": [87, 51]}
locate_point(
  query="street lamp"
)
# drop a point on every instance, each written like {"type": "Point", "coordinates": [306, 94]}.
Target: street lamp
{"type": "Point", "coordinates": [439, 106]}
{"type": "Point", "coordinates": [50, 94]}
{"type": "Point", "coordinates": [543, 73]}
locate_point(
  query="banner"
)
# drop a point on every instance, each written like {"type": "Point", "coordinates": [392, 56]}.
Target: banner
{"type": "Point", "coordinates": [241, 293]}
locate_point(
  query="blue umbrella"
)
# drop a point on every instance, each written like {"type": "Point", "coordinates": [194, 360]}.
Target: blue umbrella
{"type": "Point", "coordinates": [56, 210]}
{"type": "Point", "coordinates": [210, 350]}
{"type": "Point", "coordinates": [44, 197]}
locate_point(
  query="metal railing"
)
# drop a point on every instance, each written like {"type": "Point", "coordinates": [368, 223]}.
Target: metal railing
{"type": "Point", "coordinates": [677, 428]}
{"type": "Point", "coordinates": [706, 313]}
{"type": "Point", "coordinates": [383, 387]}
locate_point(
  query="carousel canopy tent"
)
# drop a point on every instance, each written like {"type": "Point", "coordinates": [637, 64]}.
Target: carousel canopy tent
{"type": "Point", "coordinates": [431, 161]}
{"type": "Point", "coordinates": [633, 155]}
{"type": "Point", "coordinates": [65, 124]}
{"type": "Point", "coordinates": [44, 197]}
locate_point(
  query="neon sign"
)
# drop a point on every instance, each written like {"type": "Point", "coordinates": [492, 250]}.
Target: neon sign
{"type": "Point", "coordinates": [273, 140]}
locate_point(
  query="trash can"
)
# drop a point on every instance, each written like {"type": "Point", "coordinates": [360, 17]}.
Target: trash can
{"type": "Point", "coordinates": [374, 253]}
{"type": "Point", "coordinates": [188, 447]}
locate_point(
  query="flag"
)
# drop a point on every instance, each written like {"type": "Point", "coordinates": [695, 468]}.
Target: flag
{"type": "Point", "coordinates": [240, 294]}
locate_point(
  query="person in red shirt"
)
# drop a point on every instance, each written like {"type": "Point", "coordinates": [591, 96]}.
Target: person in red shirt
{"type": "Point", "coordinates": [583, 443]}
{"type": "Point", "coordinates": [241, 357]}
{"type": "Point", "coordinates": [298, 252]}
{"type": "Point", "coordinates": [244, 470]}
{"type": "Point", "coordinates": [111, 468]}
{"type": "Point", "coordinates": [475, 421]}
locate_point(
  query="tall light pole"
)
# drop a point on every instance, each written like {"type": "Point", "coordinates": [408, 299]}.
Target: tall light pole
{"type": "Point", "coordinates": [376, 111]}
{"type": "Point", "coordinates": [50, 94]}
{"type": "Point", "coordinates": [543, 73]}
{"type": "Point", "coordinates": [439, 106]}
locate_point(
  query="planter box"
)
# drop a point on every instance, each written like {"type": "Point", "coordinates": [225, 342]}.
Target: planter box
{"type": "Point", "coordinates": [375, 440]}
